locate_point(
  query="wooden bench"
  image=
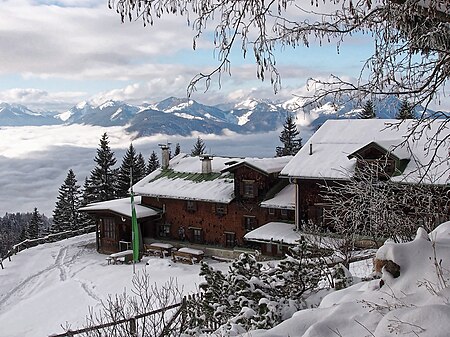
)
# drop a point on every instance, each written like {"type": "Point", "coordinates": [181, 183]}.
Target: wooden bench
{"type": "Point", "coordinates": [125, 256]}
{"type": "Point", "coordinates": [187, 255]}
{"type": "Point", "coordinates": [159, 249]}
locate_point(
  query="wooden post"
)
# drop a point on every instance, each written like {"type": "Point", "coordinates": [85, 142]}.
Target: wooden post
{"type": "Point", "coordinates": [133, 330]}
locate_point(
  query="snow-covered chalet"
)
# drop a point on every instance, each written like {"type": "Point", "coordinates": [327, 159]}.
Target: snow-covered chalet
{"type": "Point", "coordinates": [205, 200]}
{"type": "Point", "coordinates": [409, 152]}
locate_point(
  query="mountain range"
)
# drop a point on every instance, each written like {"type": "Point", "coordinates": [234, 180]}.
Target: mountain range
{"type": "Point", "coordinates": [176, 116]}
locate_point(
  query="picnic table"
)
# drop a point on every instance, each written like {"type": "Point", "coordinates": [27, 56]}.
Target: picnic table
{"type": "Point", "coordinates": [159, 249]}
{"type": "Point", "coordinates": [187, 255]}
{"type": "Point", "coordinates": [123, 257]}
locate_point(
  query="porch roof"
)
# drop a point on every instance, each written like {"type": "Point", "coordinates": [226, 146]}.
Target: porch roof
{"type": "Point", "coordinates": [284, 199]}
{"type": "Point", "coordinates": [121, 207]}
{"type": "Point", "coordinates": [277, 232]}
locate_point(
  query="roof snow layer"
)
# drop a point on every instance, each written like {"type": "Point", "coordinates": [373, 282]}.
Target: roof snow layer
{"type": "Point", "coordinates": [336, 139]}
{"type": "Point", "coordinates": [122, 207]}
{"type": "Point", "coordinates": [184, 178]}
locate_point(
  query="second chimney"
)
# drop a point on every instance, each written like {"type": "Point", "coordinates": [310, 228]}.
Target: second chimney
{"type": "Point", "coordinates": [165, 156]}
{"type": "Point", "coordinates": [206, 163]}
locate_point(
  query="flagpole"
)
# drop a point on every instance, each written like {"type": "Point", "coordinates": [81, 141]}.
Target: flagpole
{"type": "Point", "coordinates": [133, 221]}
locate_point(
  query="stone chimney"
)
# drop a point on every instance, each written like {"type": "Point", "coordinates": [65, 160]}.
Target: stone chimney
{"type": "Point", "coordinates": [165, 155]}
{"type": "Point", "coordinates": [206, 163]}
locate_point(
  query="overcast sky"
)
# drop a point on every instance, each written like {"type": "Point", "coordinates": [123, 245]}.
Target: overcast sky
{"type": "Point", "coordinates": [55, 54]}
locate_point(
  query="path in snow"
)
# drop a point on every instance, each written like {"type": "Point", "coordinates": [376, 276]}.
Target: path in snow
{"type": "Point", "coordinates": [51, 284]}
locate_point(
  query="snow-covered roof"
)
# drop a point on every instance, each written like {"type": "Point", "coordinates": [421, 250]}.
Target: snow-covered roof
{"type": "Point", "coordinates": [276, 232]}
{"type": "Point", "coordinates": [122, 207]}
{"type": "Point", "coordinates": [266, 165]}
{"type": "Point", "coordinates": [336, 139]}
{"type": "Point", "coordinates": [284, 199]}
{"type": "Point", "coordinates": [184, 178]}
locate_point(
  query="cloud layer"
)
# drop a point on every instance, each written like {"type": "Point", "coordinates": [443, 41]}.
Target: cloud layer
{"type": "Point", "coordinates": [34, 161]}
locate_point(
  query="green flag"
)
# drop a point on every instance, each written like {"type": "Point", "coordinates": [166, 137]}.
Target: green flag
{"type": "Point", "coordinates": [135, 230]}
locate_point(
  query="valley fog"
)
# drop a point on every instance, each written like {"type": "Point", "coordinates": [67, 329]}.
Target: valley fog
{"type": "Point", "coordinates": [34, 161]}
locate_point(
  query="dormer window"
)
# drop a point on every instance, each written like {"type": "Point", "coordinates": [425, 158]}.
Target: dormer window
{"type": "Point", "coordinates": [248, 189]}
{"type": "Point", "coordinates": [378, 160]}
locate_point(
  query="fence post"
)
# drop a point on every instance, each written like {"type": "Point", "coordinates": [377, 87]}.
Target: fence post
{"type": "Point", "coordinates": [133, 330]}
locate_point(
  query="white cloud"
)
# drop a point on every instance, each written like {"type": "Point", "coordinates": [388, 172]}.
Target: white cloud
{"type": "Point", "coordinates": [47, 41]}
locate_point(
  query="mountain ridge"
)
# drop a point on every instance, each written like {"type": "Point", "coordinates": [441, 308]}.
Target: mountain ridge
{"type": "Point", "coordinates": [181, 116]}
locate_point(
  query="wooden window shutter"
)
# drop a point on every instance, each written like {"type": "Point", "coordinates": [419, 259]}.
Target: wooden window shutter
{"type": "Point", "coordinates": [255, 189]}
{"type": "Point", "coordinates": [213, 208]}
{"type": "Point", "coordinates": [241, 187]}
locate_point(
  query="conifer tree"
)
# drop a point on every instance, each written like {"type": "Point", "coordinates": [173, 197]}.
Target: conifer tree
{"type": "Point", "coordinates": [153, 163]}
{"type": "Point", "coordinates": [406, 111]}
{"type": "Point", "coordinates": [87, 197]}
{"type": "Point", "coordinates": [65, 214]}
{"type": "Point", "coordinates": [289, 137]}
{"type": "Point", "coordinates": [177, 149]}
{"type": "Point", "coordinates": [126, 170]}
{"type": "Point", "coordinates": [34, 225]}
{"type": "Point", "coordinates": [368, 111]}
{"type": "Point", "coordinates": [140, 171]}
{"type": "Point", "coordinates": [103, 175]}
{"type": "Point", "coordinates": [199, 147]}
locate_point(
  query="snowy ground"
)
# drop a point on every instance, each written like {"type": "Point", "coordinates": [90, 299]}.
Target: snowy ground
{"type": "Point", "coordinates": [417, 303]}
{"type": "Point", "coordinates": [48, 285]}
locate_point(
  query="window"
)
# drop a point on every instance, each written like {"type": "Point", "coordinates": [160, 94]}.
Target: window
{"type": "Point", "coordinates": [164, 231]}
{"type": "Point", "coordinates": [221, 209]}
{"type": "Point", "coordinates": [191, 206]}
{"type": "Point", "coordinates": [109, 228]}
{"type": "Point", "coordinates": [272, 211]}
{"type": "Point", "coordinates": [197, 235]}
{"type": "Point", "coordinates": [249, 223]}
{"type": "Point", "coordinates": [230, 239]}
{"type": "Point", "coordinates": [248, 189]}
{"type": "Point", "coordinates": [284, 213]}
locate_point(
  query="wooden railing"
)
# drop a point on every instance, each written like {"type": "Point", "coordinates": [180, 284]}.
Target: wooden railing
{"type": "Point", "coordinates": [28, 243]}
{"type": "Point", "coordinates": [132, 323]}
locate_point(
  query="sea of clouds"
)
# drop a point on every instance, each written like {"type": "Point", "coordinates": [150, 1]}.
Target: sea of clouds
{"type": "Point", "coordinates": [34, 161]}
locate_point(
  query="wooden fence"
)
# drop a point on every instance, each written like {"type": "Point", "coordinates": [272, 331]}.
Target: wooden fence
{"type": "Point", "coordinates": [46, 239]}
{"type": "Point", "coordinates": [131, 324]}
{"type": "Point", "coordinates": [190, 305]}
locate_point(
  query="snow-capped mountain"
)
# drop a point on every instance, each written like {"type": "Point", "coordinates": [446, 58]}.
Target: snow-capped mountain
{"type": "Point", "coordinates": [20, 115]}
{"type": "Point", "coordinates": [110, 113]}
{"type": "Point", "coordinates": [181, 116]}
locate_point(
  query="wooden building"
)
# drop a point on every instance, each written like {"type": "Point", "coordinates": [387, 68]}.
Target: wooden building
{"type": "Point", "coordinates": [203, 200]}
{"type": "Point", "coordinates": [113, 220]}
{"type": "Point", "coordinates": [340, 147]}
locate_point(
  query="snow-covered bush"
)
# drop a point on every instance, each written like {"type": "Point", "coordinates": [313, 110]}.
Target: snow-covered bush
{"type": "Point", "coordinates": [253, 295]}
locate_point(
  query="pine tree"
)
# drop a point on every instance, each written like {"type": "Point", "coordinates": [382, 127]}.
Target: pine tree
{"type": "Point", "coordinates": [87, 197]}
{"type": "Point", "coordinates": [199, 147]}
{"type": "Point", "coordinates": [140, 171]}
{"type": "Point", "coordinates": [368, 111]}
{"type": "Point", "coordinates": [103, 175]}
{"type": "Point", "coordinates": [289, 137]}
{"type": "Point", "coordinates": [65, 214]}
{"type": "Point", "coordinates": [406, 111]}
{"type": "Point", "coordinates": [128, 168]}
{"type": "Point", "coordinates": [153, 163]}
{"type": "Point", "coordinates": [177, 149]}
{"type": "Point", "coordinates": [34, 225]}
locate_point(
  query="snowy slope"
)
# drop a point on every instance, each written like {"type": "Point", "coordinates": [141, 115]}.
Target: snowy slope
{"type": "Point", "coordinates": [49, 285]}
{"type": "Point", "coordinates": [417, 303]}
